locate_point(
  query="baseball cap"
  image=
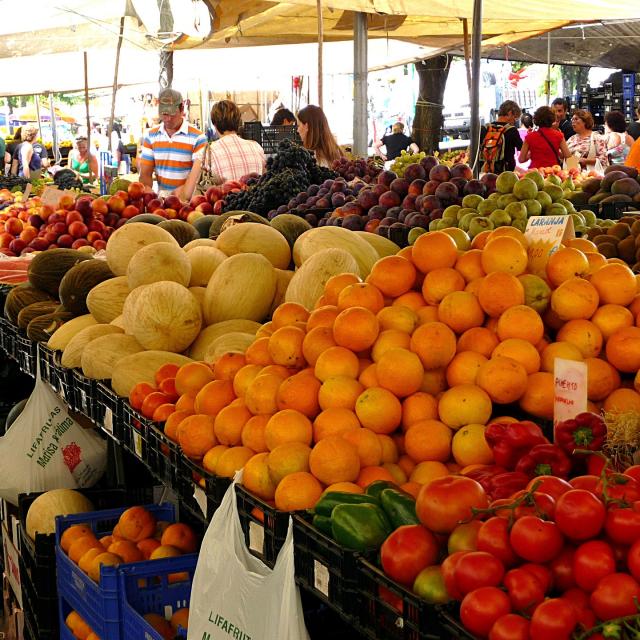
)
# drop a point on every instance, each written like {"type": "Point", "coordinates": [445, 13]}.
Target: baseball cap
{"type": "Point", "coordinates": [169, 102]}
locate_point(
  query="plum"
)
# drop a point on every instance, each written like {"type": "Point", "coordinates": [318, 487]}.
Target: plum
{"type": "Point", "coordinates": [386, 178]}
{"type": "Point", "coordinates": [352, 207]}
{"type": "Point", "coordinates": [440, 173]}
{"type": "Point", "coordinates": [419, 220]}
{"type": "Point", "coordinates": [430, 203]}
{"type": "Point", "coordinates": [430, 187]}
{"type": "Point", "coordinates": [321, 223]}
{"type": "Point", "coordinates": [313, 189]}
{"type": "Point", "coordinates": [409, 202]}
{"type": "Point", "coordinates": [447, 191]}
{"type": "Point", "coordinates": [338, 199]}
{"type": "Point", "coordinates": [353, 222]}
{"type": "Point", "coordinates": [428, 163]}
{"type": "Point", "coordinates": [489, 181]}
{"type": "Point", "coordinates": [390, 199]}
{"type": "Point", "coordinates": [394, 212]}
{"type": "Point", "coordinates": [461, 183]}
{"type": "Point", "coordinates": [415, 171]}
{"type": "Point", "coordinates": [461, 170]}
{"type": "Point", "coordinates": [416, 187]}
{"type": "Point", "coordinates": [436, 214]}
{"type": "Point", "coordinates": [323, 203]}
{"type": "Point", "coordinates": [338, 187]}
{"type": "Point", "coordinates": [400, 186]}
{"type": "Point", "coordinates": [322, 192]}
{"type": "Point", "coordinates": [379, 189]}
{"type": "Point", "coordinates": [367, 199]}
{"type": "Point", "coordinates": [475, 187]}
{"type": "Point", "coordinates": [377, 213]}
{"type": "Point", "coordinates": [385, 222]}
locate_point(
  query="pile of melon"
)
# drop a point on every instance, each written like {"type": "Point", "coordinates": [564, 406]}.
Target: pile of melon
{"type": "Point", "coordinates": [154, 301]}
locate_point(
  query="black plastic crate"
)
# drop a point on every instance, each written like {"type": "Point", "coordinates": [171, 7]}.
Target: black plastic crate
{"type": "Point", "coordinates": [84, 393]}
{"type": "Point", "coordinates": [8, 338]}
{"type": "Point", "coordinates": [27, 354]}
{"type": "Point", "coordinates": [326, 569]}
{"type": "Point", "coordinates": [162, 455]}
{"type": "Point", "coordinates": [268, 137]}
{"type": "Point", "coordinates": [108, 410]}
{"type": "Point", "coordinates": [46, 362]}
{"type": "Point", "coordinates": [134, 429]}
{"type": "Point", "coordinates": [450, 622]}
{"type": "Point", "coordinates": [62, 380]}
{"type": "Point", "coordinates": [388, 610]}
{"type": "Point", "coordinates": [200, 491]}
{"type": "Point", "coordinates": [264, 527]}
{"type": "Point", "coordinates": [40, 608]}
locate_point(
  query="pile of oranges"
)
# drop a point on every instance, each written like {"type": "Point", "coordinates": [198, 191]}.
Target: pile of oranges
{"type": "Point", "coordinates": [395, 378]}
{"type": "Point", "coordinates": [136, 537]}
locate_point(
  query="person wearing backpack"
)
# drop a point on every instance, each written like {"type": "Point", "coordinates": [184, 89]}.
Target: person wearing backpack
{"type": "Point", "coordinates": [500, 139]}
{"type": "Point", "coordinates": [546, 145]}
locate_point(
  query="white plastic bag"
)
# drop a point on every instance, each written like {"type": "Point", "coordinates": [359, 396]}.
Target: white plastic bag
{"type": "Point", "coordinates": [45, 448]}
{"type": "Point", "coordinates": [235, 595]}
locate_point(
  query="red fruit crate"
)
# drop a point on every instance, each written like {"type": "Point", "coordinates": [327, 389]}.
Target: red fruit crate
{"type": "Point", "coordinates": [264, 527]}
{"type": "Point", "coordinates": [388, 610]}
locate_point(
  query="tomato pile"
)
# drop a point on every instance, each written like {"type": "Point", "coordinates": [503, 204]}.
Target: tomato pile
{"type": "Point", "coordinates": [558, 560]}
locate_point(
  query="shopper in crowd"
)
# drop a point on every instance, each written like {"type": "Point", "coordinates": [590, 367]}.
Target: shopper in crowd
{"type": "Point", "coordinates": [586, 144]}
{"type": "Point", "coordinates": [526, 123]}
{"type": "Point", "coordinates": [3, 149]}
{"type": "Point", "coordinates": [28, 160]}
{"type": "Point", "coordinates": [10, 150]}
{"type": "Point", "coordinates": [283, 117]}
{"type": "Point", "coordinates": [82, 161]}
{"type": "Point", "coordinates": [563, 123]}
{"type": "Point", "coordinates": [619, 142]}
{"type": "Point", "coordinates": [633, 159]}
{"type": "Point", "coordinates": [545, 146]}
{"type": "Point", "coordinates": [316, 136]}
{"type": "Point", "coordinates": [117, 146]}
{"type": "Point", "coordinates": [634, 128]}
{"type": "Point", "coordinates": [231, 157]}
{"type": "Point", "coordinates": [500, 139]}
{"type": "Point", "coordinates": [395, 143]}
{"type": "Point", "coordinates": [172, 150]}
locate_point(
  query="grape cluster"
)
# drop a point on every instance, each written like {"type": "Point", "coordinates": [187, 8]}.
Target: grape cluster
{"type": "Point", "coordinates": [13, 183]}
{"type": "Point", "coordinates": [291, 170]}
{"type": "Point", "coordinates": [405, 159]}
{"type": "Point", "coordinates": [67, 179]}
{"type": "Point", "coordinates": [364, 168]}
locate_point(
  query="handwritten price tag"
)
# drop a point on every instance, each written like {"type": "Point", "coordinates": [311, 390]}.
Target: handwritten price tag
{"type": "Point", "coordinates": [570, 396]}
{"type": "Point", "coordinates": [545, 234]}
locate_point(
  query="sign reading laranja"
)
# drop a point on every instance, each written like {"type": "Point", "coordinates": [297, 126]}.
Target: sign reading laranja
{"type": "Point", "coordinates": [225, 625]}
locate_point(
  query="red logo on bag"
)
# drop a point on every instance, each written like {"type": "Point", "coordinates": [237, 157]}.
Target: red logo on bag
{"type": "Point", "coordinates": [71, 456]}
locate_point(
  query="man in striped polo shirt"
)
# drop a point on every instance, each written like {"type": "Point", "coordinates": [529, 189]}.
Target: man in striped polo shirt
{"type": "Point", "coordinates": [172, 150]}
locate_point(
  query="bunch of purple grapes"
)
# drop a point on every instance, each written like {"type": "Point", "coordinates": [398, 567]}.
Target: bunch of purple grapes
{"type": "Point", "coordinates": [364, 168]}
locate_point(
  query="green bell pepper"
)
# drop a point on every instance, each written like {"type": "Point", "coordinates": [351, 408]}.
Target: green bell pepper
{"type": "Point", "coordinates": [332, 499]}
{"type": "Point", "coordinates": [323, 524]}
{"type": "Point", "coordinates": [359, 527]}
{"type": "Point", "coordinates": [378, 486]}
{"type": "Point", "coordinates": [399, 506]}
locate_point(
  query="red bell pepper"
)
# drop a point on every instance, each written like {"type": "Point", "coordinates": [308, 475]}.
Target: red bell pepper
{"type": "Point", "coordinates": [586, 431]}
{"type": "Point", "coordinates": [504, 485]}
{"type": "Point", "coordinates": [510, 441]}
{"type": "Point", "coordinates": [545, 460]}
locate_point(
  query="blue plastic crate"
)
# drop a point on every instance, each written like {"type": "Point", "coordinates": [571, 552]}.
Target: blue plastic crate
{"type": "Point", "coordinates": [98, 604]}
{"type": "Point", "coordinates": [65, 633]}
{"type": "Point", "coordinates": [145, 588]}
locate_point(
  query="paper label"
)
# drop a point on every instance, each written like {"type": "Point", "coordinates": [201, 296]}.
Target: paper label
{"type": "Point", "coordinates": [570, 396]}
{"type": "Point", "coordinates": [321, 578]}
{"type": "Point", "coordinates": [108, 421]}
{"type": "Point", "coordinates": [545, 234]}
{"type": "Point", "coordinates": [83, 401]}
{"type": "Point", "coordinates": [137, 445]}
{"type": "Point", "coordinates": [51, 196]}
{"type": "Point", "coordinates": [256, 537]}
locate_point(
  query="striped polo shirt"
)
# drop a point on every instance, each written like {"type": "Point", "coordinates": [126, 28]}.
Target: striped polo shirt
{"type": "Point", "coordinates": [172, 156]}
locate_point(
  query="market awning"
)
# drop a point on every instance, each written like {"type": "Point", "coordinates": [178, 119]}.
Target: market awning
{"type": "Point", "coordinates": [31, 115]}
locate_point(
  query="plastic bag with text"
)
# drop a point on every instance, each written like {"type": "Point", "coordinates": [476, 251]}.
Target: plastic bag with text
{"type": "Point", "coordinates": [45, 448]}
{"type": "Point", "coordinates": [235, 595]}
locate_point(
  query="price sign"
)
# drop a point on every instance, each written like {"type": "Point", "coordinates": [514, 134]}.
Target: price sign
{"type": "Point", "coordinates": [570, 397]}
{"type": "Point", "coordinates": [545, 234]}
{"type": "Point", "coordinates": [51, 196]}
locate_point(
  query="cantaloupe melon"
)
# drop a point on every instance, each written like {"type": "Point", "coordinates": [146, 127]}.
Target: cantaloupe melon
{"type": "Point", "coordinates": [200, 242]}
{"type": "Point", "coordinates": [130, 238]}
{"type": "Point", "coordinates": [160, 261]}
{"type": "Point", "coordinates": [209, 334]}
{"type": "Point", "coordinates": [41, 516]}
{"type": "Point", "coordinates": [252, 237]}
{"type": "Point", "coordinates": [167, 317]}
{"type": "Point", "coordinates": [382, 245]}
{"type": "Point", "coordinates": [243, 286]}
{"type": "Point", "coordinates": [101, 354]}
{"type": "Point", "coordinates": [72, 355]}
{"type": "Point", "coordinates": [234, 341]}
{"type": "Point", "coordinates": [141, 367]}
{"type": "Point", "coordinates": [204, 261]}
{"type": "Point", "coordinates": [282, 284]}
{"type": "Point", "coordinates": [129, 307]}
{"type": "Point", "coordinates": [61, 338]}
{"type": "Point", "coordinates": [106, 300]}
{"type": "Point", "coordinates": [307, 284]}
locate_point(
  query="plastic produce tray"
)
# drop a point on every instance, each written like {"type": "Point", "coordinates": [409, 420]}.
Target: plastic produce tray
{"type": "Point", "coordinates": [268, 137]}
{"type": "Point", "coordinates": [264, 527]}
{"type": "Point", "coordinates": [98, 604]}
{"type": "Point", "coordinates": [325, 568]}
{"type": "Point", "coordinates": [145, 588]}
{"type": "Point", "coordinates": [27, 354]}
{"type": "Point", "coordinates": [200, 491]}
{"type": "Point", "coordinates": [388, 610]}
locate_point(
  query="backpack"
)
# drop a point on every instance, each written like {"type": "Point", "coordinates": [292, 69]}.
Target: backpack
{"type": "Point", "coordinates": [493, 147]}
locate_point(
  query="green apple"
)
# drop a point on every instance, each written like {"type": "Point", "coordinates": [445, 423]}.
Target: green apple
{"type": "Point", "coordinates": [500, 218]}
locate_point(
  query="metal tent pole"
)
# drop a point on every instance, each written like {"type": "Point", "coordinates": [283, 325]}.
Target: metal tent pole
{"type": "Point", "coordinates": [54, 129]}
{"type": "Point", "coordinates": [548, 82]}
{"type": "Point", "coordinates": [360, 67]}
{"type": "Point", "coordinates": [476, 46]}
{"type": "Point", "coordinates": [86, 106]}
{"type": "Point", "coordinates": [320, 54]}
{"type": "Point", "coordinates": [115, 85]}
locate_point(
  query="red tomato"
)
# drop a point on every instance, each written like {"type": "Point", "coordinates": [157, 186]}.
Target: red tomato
{"type": "Point", "coordinates": [510, 627]}
{"type": "Point", "coordinates": [623, 525]}
{"type": "Point", "coordinates": [429, 585]}
{"type": "Point", "coordinates": [524, 589]}
{"type": "Point", "coordinates": [620, 487]}
{"type": "Point", "coordinates": [536, 540]}
{"type": "Point", "coordinates": [407, 551]}
{"type": "Point", "coordinates": [502, 502]}
{"type": "Point", "coordinates": [577, 597]}
{"type": "Point", "coordinates": [562, 570]}
{"type": "Point", "coordinates": [550, 485]}
{"type": "Point", "coordinates": [595, 465]}
{"type": "Point", "coordinates": [634, 472]}
{"type": "Point", "coordinates": [633, 560]}
{"type": "Point", "coordinates": [464, 537]}
{"type": "Point", "coordinates": [448, 567]}
{"type": "Point", "coordinates": [588, 483]}
{"type": "Point", "coordinates": [541, 572]}
{"type": "Point", "coordinates": [481, 608]}
{"type": "Point", "coordinates": [538, 504]}
{"type": "Point", "coordinates": [477, 569]}
{"type": "Point", "coordinates": [444, 503]}
{"type": "Point", "coordinates": [493, 537]}
{"type": "Point", "coordinates": [593, 561]}
{"type": "Point", "coordinates": [554, 619]}
{"type": "Point", "coordinates": [614, 596]}
{"type": "Point", "coordinates": [580, 515]}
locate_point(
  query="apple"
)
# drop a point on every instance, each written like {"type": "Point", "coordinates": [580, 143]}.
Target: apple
{"type": "Point", "coordinates": [45, 211]}
{"type": "Point", "coordinates": [170, 214]}
{"type": "Point", "coordinates": [92, 236]}
{"type": "Point", "coordinates": [5, 240]}
{"type": "Point", "coordinates": [83, 205]}
{"type": "Point", "coordinates": [60, 228]}
{"type": "Point", "coordinates": [218, 207]}
{"type": "Point", "coordinates": [116, 204]}
{"type": "Point", "coordinates": [136, 190]}
{"type": "Point", "coordinates": [99, 245]}
{"type": "Point", "coordinates": [23, 215]}
{"type": "Point", "coordinates": [123, 195]}
{"type": "Point", "coordinates": [17, 245]}
{"type": "Point", "coordinates": [184, 211]}
{"type": "Point", "coordinates": [78, 229]}
{"type": "Point", "coordinates": [96, 225]}
{"type": "Point", "coordinates": [111, 219]}
{"type": "Point", "coordinates": [99, 206]}
{"type": "Point", "coordinates": [36, 221]}
{"type": "Point", "coordinates": [137, 203]}
{"type": "Point", "coordinates": [51, 237]}
{"type": "Point", "coordinates": [172, 202]}
{"type": "Point", "coordinates": [231, 185]}
{"type": "Point", "coordinates": [28, 234]}
{"type": "Point", "coordinates": [67, 201]}
{"type": "Point", "coordinates": [205, 208]}
{"type": "Point", "coordinates": [196, 200]}
{"type": "Point", "coordinates": [194, 215]}
{"type": "Point", "coordinates": [73, 216]}
{"type": "Point", "coordinates": [13, 226]}
{"type": "Point", "coordinates": [153, 204]}
{"type": "Point", "coordinates": [129, 211]}
{"type": "Point", "coordinates": [213, 194]}
{"type": "Point", "coordinates": [80, 242]}
{"type": "Point", "coordinates": [148, 196]}
{"type": "Point", "coordinates": [39, 244]}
